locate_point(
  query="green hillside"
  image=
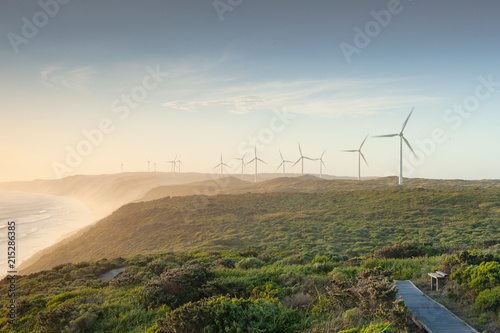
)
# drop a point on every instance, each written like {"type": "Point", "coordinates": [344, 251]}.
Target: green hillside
{"type": "Point", "coordinates": [345, 221]}
{"type": "Point", "coordinates": [231, 185]}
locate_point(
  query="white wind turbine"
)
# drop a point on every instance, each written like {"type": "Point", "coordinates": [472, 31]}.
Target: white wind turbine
{"type": "Point", "coordinates": [301, 158]}
{"type": "Point", "coordinates": [149, 165]}
{"type": "Point", "coordinates": [179, 163]}
{"type": "Point", "coordinates": [173, 164]}
{"type": "Point", "coordinates": [321, 163]}
{"type": "Point", "coordinates": [242, 159]}
{"type": "Point", "coordinates": [401, 139]}
{"type": "Point", "coordinates": [221, 165]}
{"type": "Point", "coordinates": [360, 155]}
{"type": "Point", "coordinates": [155, 166]}
{"type": "Point", "coordinates": [256, 160]}
{"type": "Point", "coordinates": [283, 163]}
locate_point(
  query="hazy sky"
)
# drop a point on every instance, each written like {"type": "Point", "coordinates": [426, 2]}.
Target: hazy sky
{"type": "Point", "coordinates": [86, 85]}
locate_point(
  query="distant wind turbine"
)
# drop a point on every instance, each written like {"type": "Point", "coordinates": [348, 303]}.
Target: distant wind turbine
{"type": "Point", "coordinates": [221, 165]}
{"type": "Point", "coordinates": [283, 163]}
{"type": "Point", "coordinates": [321, 163]}
{"type": "Point", "coordinates": [302, 158]}
{"type": "Point", "coordinates": [242, 159]}
{"type": "Point", "coordinates": [179, 163]}
{"type": "Point", "coordinates": [155, 166]}
{"type": "Point", "coordinates": [122, 166]}
{"type": "Point", "coordinates": [256, 160]}
{"type": "Point", "coordinates": [401, 139]}
{"type": "Point", "coordinates": [149, 165]}
{"type": "Point", "coordinates": [173, 164]}
{"type": "Point", "coordinates": [360, 155]}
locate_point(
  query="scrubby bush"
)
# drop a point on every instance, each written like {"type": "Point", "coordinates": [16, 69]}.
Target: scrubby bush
{"type": "Point", "coordinates": [152, 295]}
{"type": "Point", "coordinates": [53, 320]}
{"type": "Point", "coordinates": [408, 250]}
{"type": "Point", "coordinates": [299, 301]}
{"type": "Point", "coordinates": [160, 265]}
{"type": "Point", "coordinates": [248, 263]}
{"type": "Point", "coordinates": [488, 300]}
{"type": "Point", "coordinates": [225, 314]}
{"type": "Point", "coordinates": [372, 292]}
{"type": "Point", "coordinates": [225, 263]}
{"type": "Point", "coordinates": [479, 278]}
{"type": "Point", "coordinates": [468, 258]}
{"type": "Point", "coordinates": [184, 284]}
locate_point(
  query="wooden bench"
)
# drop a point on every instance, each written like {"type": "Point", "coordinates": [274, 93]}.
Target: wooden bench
{"type": "Point", "coordinates": [438, 280]}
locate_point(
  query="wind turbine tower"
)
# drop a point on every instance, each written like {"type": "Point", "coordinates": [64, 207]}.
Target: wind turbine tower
{"type": "Point", "coordinates": [242, 159]}
{"type": "Point", "coordinates": [360, 155]}
{"type": "Point", "coordinates": [173, 164]}
{"type": "Point", "coordinates": [401, 139]}
{"type": "Point", "coordinates": [256, 160]}
{"type": "Point", "coordinates": [221, 165]}
{"type": "Point", "coordinates": [179, 163]}
{"type": "Point", "coordinates": [283, 163]}
{"type": "Point", "coordinates": [301, 159]}
{"type": "Point", "coordinates": [321, 163]}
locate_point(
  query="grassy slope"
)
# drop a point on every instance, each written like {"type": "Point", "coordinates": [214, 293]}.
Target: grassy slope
{"type": "Point", "coordinates": [231, 185]}
{"type": "Point", "coordinates": [343, 220]}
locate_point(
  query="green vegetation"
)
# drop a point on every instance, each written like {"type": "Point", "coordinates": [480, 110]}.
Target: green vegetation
{"type": "Point", "coordinates": [351, 223]}
{"type": "Point", "coordinates": [248, 291]}
{"type": "Point", "coordinates": [305, 184]}
{"type": "Point", "coordinates": [318, 257]}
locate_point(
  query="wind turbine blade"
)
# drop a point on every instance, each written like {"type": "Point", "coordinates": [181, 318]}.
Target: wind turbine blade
{"type": "Point", "coordinates": [261, 161]}
{"type": "Point", "coordinates": [385, 136]}
{"type": "Point", "coordinates": [363, 142]}
{"type": "Point", "coordinates": [281, 156]}
{"type": "Point", "coordinates": [311, 159]}
{"type": "Point", "coordinates": [300, 150]}
{"type": "Point", "coordinates": [406, 141]}
{"type": "Point", "coordinates": [323, 154]}
{"type": "Point", "coordinates": [296, 162]}
{"type": "Point", "coordinates": [406, 121]}
{"type": "Point", "coordinates": [250, 161]}
{"type": "Point", "coordinates": [279, 165]}
{"type": "Point", "coordinates": [349, 151]}
{"type": "Point", "coordinates": [364, 159]}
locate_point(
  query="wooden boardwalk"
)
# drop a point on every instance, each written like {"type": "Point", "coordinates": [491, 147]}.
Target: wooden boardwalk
{"type": "Point", "coordinates": [431, 315]}
{"type": "Point", "coordinates": [112, 274]}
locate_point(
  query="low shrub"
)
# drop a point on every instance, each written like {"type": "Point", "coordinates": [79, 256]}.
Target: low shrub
{"type": "Point", "coordinates": [225, 314]}
{"type": "Point", "coordinates": [488, 300]}
{"type": "Point", "coordinates": [248, 263]}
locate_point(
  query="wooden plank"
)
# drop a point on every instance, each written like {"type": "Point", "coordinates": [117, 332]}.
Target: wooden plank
{"type": "Point", "coordinates": [432, 316]}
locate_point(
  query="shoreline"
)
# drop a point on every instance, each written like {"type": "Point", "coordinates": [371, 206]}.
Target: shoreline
{"type": "Point", "coordinates": [42, 220]}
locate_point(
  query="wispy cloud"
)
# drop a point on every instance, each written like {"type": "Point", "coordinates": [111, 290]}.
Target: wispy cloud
{"type": "Point", "coordinates": [237, 105]}
{"type": "Point", "coordinates": [330, 98]}
{"type": "Point", "coordinates": [60, 78]}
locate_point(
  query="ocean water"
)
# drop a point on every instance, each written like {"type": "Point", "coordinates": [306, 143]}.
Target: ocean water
{"type": "Point", "coordinates": [41, 221]}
